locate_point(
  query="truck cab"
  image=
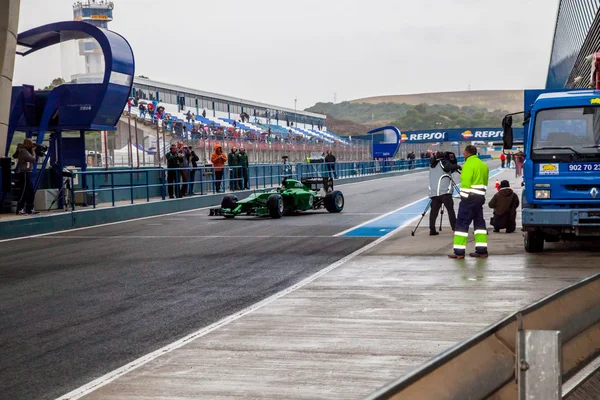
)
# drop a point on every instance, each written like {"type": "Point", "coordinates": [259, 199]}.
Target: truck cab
{"type": "Point", "coordinates": [561, 198]}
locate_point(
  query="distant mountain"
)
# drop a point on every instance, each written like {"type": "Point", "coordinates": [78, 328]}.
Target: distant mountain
{"type": "Point", "coordinates": [491, 100]}
{"type": "Point", "coordinates": [472, 109]}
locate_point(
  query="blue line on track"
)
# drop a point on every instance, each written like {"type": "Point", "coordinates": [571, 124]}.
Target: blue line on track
{"type": "Point", "coordinates": [390, 222]}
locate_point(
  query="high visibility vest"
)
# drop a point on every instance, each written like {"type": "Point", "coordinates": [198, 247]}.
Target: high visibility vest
{"type": "Point", "coordinates": [474, 177]}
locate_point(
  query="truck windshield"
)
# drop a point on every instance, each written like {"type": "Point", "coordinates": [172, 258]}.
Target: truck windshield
{"type": "Point", "coordinates": [577, 130]}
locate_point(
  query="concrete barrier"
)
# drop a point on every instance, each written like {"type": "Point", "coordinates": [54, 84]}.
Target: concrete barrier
{"type": "Point", "coordinates": [486, 366]}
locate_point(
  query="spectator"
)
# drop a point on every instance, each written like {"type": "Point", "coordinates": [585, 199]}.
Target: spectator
{"type": "Point", "coordinates": [25, 156]}
{"type": "Point", "coordinates": [505, 204]}
{"type": "Point", "coordinates": [243, 161]}
{"type": "Point", "coordinates": [234, 162]}
{"type": "Point", "coordinates": [509, 160]}
{"type": "Point", "coordinates": [184, 173]}
{"type": "Point", "coordinates": [519, 160]}
{"type": "Point", "coordinates": [330, 160]}
{"type": "Point", "coordinates": [203, 113]}
{"type": "Point", "coordinates": [502, 160]}
{"type": "Point", "coordinates": [151, 111]}
{"type": "Point", "coordinates": [188, 117]}
{"type": "Point", "coordinates": [142, 110]}
{"type": "Point", "coordinates": [173, 162]}
{"type": "Point", "coordinates": [129, 106]}
{"type": "Point", "coordinates": [218, 159]}
{"type": "Point", "coordinates": [194, 161]}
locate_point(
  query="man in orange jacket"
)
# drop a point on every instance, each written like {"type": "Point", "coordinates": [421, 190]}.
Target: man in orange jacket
{"type": "Point", "coordinates": [218, 159]}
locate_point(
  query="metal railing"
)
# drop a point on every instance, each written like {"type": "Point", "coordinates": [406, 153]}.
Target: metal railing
{"type": "Point", "coordinates": [148, 184]}
{"type": "Point", "coordinates": [493, 363]}
{"type": "Point", "coordinates": [112, 186]}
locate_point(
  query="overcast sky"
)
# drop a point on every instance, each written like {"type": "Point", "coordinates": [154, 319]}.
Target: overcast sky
{"type": "Point", "coordinates": [274, 51]}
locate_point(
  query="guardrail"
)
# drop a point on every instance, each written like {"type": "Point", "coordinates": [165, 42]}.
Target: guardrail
{"type": "Point", "coordinates": [494, 363]}
{"type": "Point", "coordinates": [146, 183]}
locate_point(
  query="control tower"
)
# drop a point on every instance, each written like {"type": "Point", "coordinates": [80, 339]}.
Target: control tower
{"type": "Point", "coordinates": [98, 13]}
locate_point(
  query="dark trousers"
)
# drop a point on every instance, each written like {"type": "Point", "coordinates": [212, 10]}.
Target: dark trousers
{"type": "Point", "coordinates": [27, 194]}
{"type": "Point", "coordinates": [505, 222]}
{"type": "Point", "coordinates": [184, 182]}
{"type": "Point", "coordinates": [436, 204]}
{"type": "Point", "coordinates": [218, 180]}
{"type": "Point", "coordinates": [503, 162]}
{"type": "Point", "coordinates": [470, 211]}
{"type": "Point", "coordinates": [331, 171]}
{"type": "Point", "coordinates": [235, 179]}
{"type": "Point", "coordinates": [171, 180]}
{"type": "Point", "coordinates": [246, 177]}
{"type": "Point", "coordinates": [192, 179]}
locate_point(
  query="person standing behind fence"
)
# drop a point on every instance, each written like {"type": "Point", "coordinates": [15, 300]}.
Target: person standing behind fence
{"type": "Point", "coordinates": [244, 164]}
{"type": "Point", "coordinates": [218, 159]}
{"type": "Point", "coordinates": [330, 160]}
{"type": "Point", "coordinates": [173, 162]}
{"type": "Point", "coordinates": [185, 173]}
{"type": "Point", "coordinates": [194, 163]}
{"type": "Point", "coordinates": [234, 162]}
{"type": "Point", "coordinates": [25, 156]}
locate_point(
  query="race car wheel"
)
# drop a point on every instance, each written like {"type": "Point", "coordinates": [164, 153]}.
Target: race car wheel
{"type": "Point", "coordinates": [229, 201]}
{"type": "Point", "coordinates": [334, 201]}
{"type": "Point", "coordinates": [275, 206]}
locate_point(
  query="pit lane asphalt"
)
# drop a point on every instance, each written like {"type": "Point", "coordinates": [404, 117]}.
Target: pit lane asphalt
{"type": "Point", "coordinates": [76, 305]}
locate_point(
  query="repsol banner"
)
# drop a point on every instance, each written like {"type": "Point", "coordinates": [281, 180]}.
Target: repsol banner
{"type": "Point", "coordinates": [458, 135]}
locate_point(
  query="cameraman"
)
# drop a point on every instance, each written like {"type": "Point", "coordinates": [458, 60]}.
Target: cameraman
{"type": "Point", "coordinates": [25, 156]}
{"type": "Point", "coordinates": [440, 189]}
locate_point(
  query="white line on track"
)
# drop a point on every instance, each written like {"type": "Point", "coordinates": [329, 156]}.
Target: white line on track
{"type": "Point", "coordinates": [186, 236]}
{"type": "Point", "coordinates": [111, 376]}
{"type": "Point", "coordinates": [379, 217]}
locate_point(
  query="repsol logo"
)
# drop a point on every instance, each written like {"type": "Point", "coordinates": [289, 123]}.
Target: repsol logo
{"type": "Point", "coordinates": [487, 134]}
{"type": "Point", "coordinates": [427, 136]}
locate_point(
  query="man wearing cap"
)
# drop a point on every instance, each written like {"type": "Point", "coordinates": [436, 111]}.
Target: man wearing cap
{"type": "Point", "coordinates": [505, 204]}
{"type": "Point", "coordinates": [474, 183]}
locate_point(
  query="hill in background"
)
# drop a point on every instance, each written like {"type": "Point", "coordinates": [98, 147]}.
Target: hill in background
{"type": "Point", "coordinates": [488, 99]}
{"type": "Point", "coordinates": [472, 109]}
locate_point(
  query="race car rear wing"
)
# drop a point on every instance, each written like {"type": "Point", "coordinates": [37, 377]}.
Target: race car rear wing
{"type": "Point", "coordinates": [316, 183]}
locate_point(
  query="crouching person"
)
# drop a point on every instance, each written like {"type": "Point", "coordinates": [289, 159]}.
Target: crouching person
{"type": "Point", "coordinates": [505, 204]}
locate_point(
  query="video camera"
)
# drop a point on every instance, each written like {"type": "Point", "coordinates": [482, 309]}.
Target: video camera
{"type": "Point", "coordinates": [41, 150]}
{"type": "Point", "coordinates": [449, 156]}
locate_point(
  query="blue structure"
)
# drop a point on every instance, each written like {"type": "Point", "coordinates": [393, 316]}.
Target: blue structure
{"type": "Point", "coordinates": [577, 35]}
{"type": "Point", "coordinates": [387, 140]}
{"type": "Point", "coordinates": [80, 105]}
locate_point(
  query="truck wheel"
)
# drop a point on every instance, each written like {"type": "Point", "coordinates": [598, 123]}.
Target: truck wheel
{"type": "Point", "coordinates": [334, 201]}
{"type": "Point", "coordinates": [275, 206]}
{"type": "Point", "coordinates": [534, 242]}
{"type": "Point", "coordinates": [229, 201]}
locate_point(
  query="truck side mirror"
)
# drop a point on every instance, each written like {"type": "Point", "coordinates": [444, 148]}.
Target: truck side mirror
{"type": "Point", "coordinates": [508, 132]}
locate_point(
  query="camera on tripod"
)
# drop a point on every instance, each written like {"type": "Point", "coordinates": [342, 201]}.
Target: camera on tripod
{"type": "Point", "coordinates": [41, 150]}
{"type": "Point", "coordinates": [449, 156]}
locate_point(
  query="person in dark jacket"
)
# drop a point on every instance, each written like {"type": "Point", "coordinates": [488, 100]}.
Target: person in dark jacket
{"type": "Point", "coordinates": [243, 162]}
{"type": "Point", "coordinates": [194, 164]}
{"type": "Point", "coordinates": [174, 160]}
{"type": "Point", "coordinates": [505, 204]}
{"type": "Point", "coordinates": [25, 156]}
{"type": "Point", "coordinates": [330, 160]}
{"type": "Point", "coordinates": [234, 171]}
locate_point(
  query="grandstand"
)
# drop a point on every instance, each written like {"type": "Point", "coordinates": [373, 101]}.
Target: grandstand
{"type": "Point", "coordinates": [214, 111]}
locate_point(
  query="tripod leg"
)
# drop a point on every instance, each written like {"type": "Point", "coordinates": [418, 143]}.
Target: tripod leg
{"type": "Point", "coordinates": [441, 218]}
{"type": "Point", "coordinates": [422, 216]}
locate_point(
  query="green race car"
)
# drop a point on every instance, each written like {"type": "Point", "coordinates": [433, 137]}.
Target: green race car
{"type": "Point", "coordinates": [292, 196]}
